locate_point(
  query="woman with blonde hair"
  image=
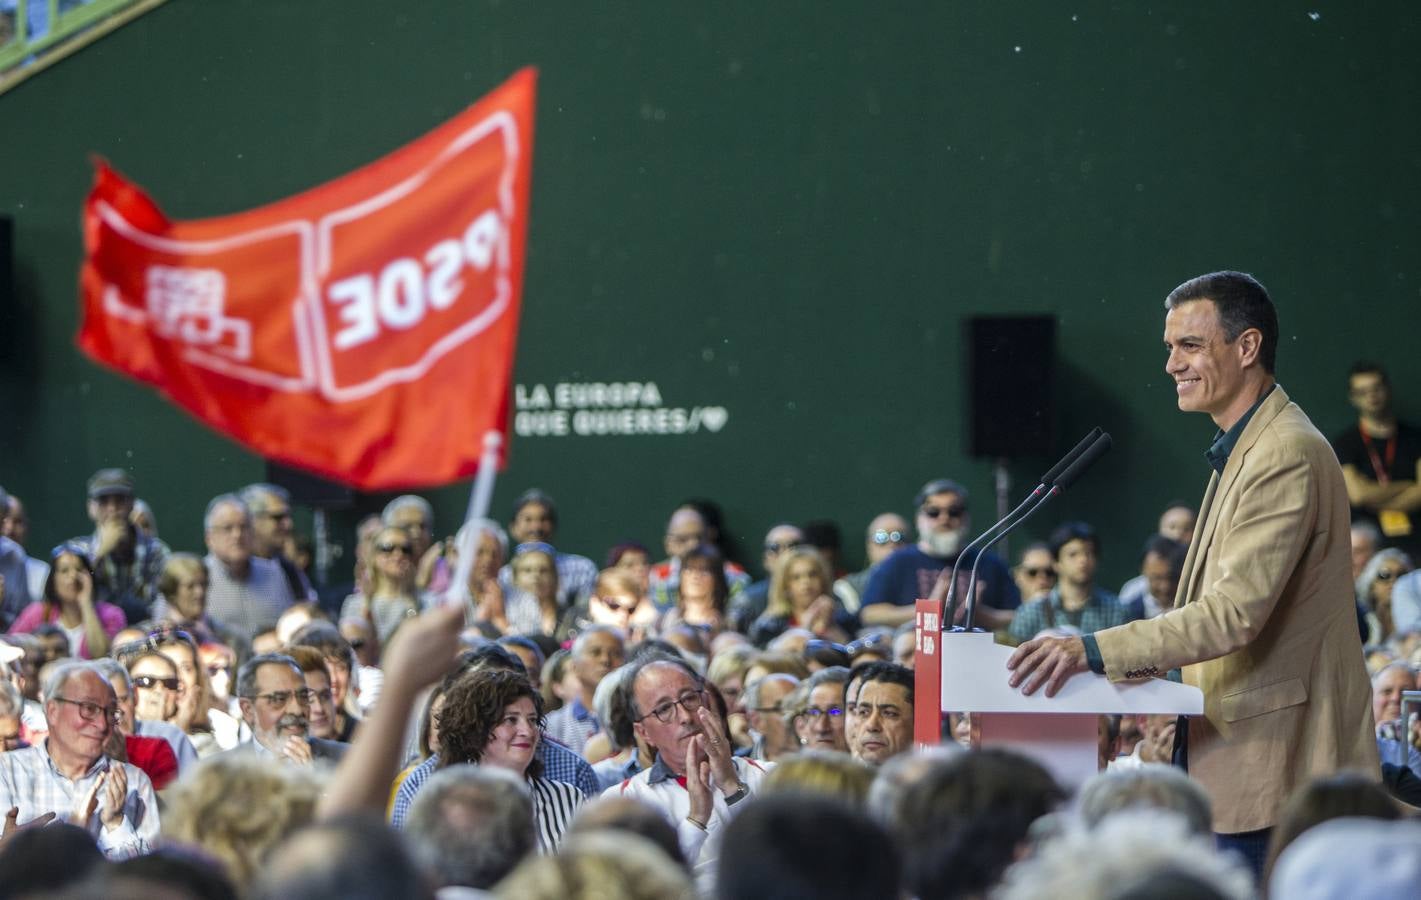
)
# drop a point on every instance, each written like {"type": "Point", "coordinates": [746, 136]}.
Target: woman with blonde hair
{"type": "Point", "coordinates": [799, 597]}
{"type": "Point", "coordinates": [391, 596]}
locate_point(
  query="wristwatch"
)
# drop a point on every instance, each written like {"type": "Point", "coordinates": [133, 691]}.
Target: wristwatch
{"type": "Point", "coordinates": [737, 796]}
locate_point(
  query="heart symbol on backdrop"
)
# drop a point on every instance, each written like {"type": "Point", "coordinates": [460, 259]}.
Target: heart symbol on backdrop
{"type": "Point", "coordinates": [714, 417]}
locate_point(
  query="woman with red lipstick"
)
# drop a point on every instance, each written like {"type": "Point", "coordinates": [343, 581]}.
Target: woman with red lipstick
{"type": "Point", "coordinates": [494, 718]}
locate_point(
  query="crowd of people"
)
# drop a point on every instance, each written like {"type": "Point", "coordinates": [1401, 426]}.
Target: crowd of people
{"type": "Point", "coordinates": [660, 725]}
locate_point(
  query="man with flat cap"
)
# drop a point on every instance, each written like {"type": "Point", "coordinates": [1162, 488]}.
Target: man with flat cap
{"type": "Point", "coordinates": [127, 562]}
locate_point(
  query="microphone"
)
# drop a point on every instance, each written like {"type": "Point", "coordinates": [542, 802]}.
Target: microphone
{"type": "Point", "coordinates": [1072, 471]}
{"type": "Point", "coordinates": [1047, 481]}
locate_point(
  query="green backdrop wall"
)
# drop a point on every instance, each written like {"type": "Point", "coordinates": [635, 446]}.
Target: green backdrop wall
{"type": "Point", "coordinates": [782, 212]}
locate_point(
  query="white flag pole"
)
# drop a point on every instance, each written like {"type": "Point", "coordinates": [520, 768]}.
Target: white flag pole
{"type": "Point", "coordinates": [480, 496]}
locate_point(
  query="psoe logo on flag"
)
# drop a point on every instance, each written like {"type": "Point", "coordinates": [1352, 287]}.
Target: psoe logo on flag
{"type": "Point", "coordinates": [390, 285]}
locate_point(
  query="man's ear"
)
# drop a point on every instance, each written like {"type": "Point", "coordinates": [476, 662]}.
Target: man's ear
{"type": "Point", "coordinates": [248, 715]}
{"type": "Point", "coordinates": [640, 731]}
{"type": "Point", "coordinates": [1250, 342]}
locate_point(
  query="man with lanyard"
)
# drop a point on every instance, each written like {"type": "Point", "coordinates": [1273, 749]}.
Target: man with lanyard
{"type": "Point", "coordinates": [1381, 460]}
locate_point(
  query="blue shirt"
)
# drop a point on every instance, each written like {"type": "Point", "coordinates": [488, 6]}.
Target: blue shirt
{"type": "Point", "coordinates": [909, 575]}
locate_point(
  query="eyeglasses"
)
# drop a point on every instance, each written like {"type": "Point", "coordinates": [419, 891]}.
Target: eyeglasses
{"type": "Point", "coordinates": [406, 549]}
{"type": "Point", "coordinates": [279, 699]}
{"type": "Point", "coordinates": [815, 713]}
{"type": "Point", "coordinates": [956, 511]}
{"type": "Point", "coordinates": [690, 701]}
{"type": "Point", "coordinates": [1038, 571]}
{"type": "Point", "coordinates": [89, 711]}
{"type": "Point", "coordinates": [815, 646]}
{"type": "Point", "coordinates": [872, 643]}
{"type": "Point", "coordinates": [148, 682]}
{"type": "Point", "coordinates": [881, 537]}
{"type": "Point", "coordinates": [282, 516]}
{"type": "Point", "coordinates": [1388, 574]}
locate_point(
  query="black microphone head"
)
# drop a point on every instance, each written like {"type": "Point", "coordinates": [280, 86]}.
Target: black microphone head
{"type": "Point", "coordinates": [1084, 461]}
{"type": "Point", "coordinates": [1055, 471]}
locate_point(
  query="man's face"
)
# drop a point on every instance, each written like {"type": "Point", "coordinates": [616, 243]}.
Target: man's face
{"type": "Point", "coordinates": [55, 645]}
{"type": "Point", "coordinates": [1208, 371]}
{"type": "Point", "coordinates": [1386, 693]}
{"type": "Point", "coordinates": [81, 722]}
{"type": "Point", "coordinates": [271, 527]}
{"type": "Point", "coordinates": [821, 725]}
{"type": "Point", "coordinates": [1177, 524]}
{"type": "Point", "coordinates": [685, 532]}
{"type": "Point", "coordinates": [111, 508]}
{"type": "Point", "coordinates": [156, 688]}
{"type": "Point", "coordinates": [127, 706]}
{"type": "Point", "coordinates": [601, 653]}
{"type": "Point", "coordinates": [886, 533]}
{"type": "Point", "coordinates": [664, 683]}
{"type": "Point", "coordinates": [278, 708]}
{"type": "Point", "coordinates": [905, 649]}
{"type": "Point", "coordinates": [1369, 393]}
{"type": "Point", "coordinates": [942, 522]}
{"type": "Point", "coordinates": [15, 524]}
{"type": "Point", "coordinates": [229, 536]}
{"type": "Point", "coordinates": [360, 637]}
{"type": "Point", "coordinates": [766, 718]}
{"type": "Point", "coordinates": [322, 716]}
{"type": "Point", "coordinates": [880, 721]}
{"type": "Point", "coordinates": [190, 598]}
{"type": "Point", "coordinates": [530, 662]}
{"type": "Point", "coordinates": [1036, 574]}
{"type": "Point", "coordinates": [778, 540]}
{"type": "Point", "coordinates": [533, 522]}
{"type": "Point", "coordinates": [535, 573]}
{"type": "Point", "coordinates": [1075, 563]}
{"type": "Point", "coordinates": [1163, 582]}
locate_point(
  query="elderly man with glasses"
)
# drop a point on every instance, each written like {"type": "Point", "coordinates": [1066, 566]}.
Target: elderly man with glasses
{"type": "Point", "coordinates": [68, 776]}
{"type": "Point", "coordinates": [695, 782]}
{"type": "Point", "coordinates": [276, 703]}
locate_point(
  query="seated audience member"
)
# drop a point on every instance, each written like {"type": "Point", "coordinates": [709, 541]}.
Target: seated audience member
{"type": "Point", "coordinates": [275, 704]}
{"type": "Point", "coordinates": [52, 638]}
{"type": "Point", "coordinates": [45, 861]}
{"type": "Point", "coordinates": [768, 662]}
{"type": "Point", "coordinates": [341, 663]}
{"type": "Point", "coordinates": [68, 773]}
{"type": "Point", "coordinates": [344, 858]}
{"type": "Point", "coordinates": [296, 617]}
{"type": "Point", "coordinates": [1176, 524]}
{"type": "Point", "coordinates": [182, 601]}
{"type": "Point", "coordinates": [530, 601]}
{"type": "Point", "coordinates": [627, 753]}
{"type": "Point", "coordinates": [535, 520]}
{"type": "Point", "coordinates": [392, 594]}
{"type": "Point", "coordinates": [1351, 857]}
{"type": "Point", "coordinates": [161, 765]}
{"type": "Point", "coordinates": [272, 530]}
{"type": "Point", "coordinates": [800, 597]}
{"type": "Point", "coordinates": [12, 703]}
{"type": "Point", "coordinates": [24, 674]}
{"type": "Point", "coordinates": [559, 763]}
{"type": "Point", "coordinates": [599, 865]}
{"type": "Point", "coordinates": [368, 677]}
{"type": "Point", "coordinates": [670, 711]}
{"type": "Point", "coordinates": [482, 594]}
{"type": "Point", "coordinates": [633, 559]}
{"type": "Point", "coordinates": [237, 807]}
{"type": "Point", "coordinates": [1075, 600]}
{"type": "Point", "coordinates": [245, 592]}
{"type": "Point", "coordinates": [887, 532]}
{"type": "Point", "coordinates": [1156, 743]}
{"type": "Point", "coordinates": [826, 773]}
{"type": "Point", "coordinates": [529, 653]}
{"type": "Point", "coordinates": [796, 845]}
{"type": "Point", "coordinates": [155, 686]}
{"type": "Point", "coordinates": [595, 653]}
{"type": "Point", "coordinates": [1375, 588]}
{"type": "Point", "coordinates": [219, 665]}
{"type": "Point", "coordinates": [168, 873]}
{"type": "Point", "coordinates": [690, 530]}
{"type": "Point", "coordinates": [905, 645]}
{"type": "Point", "coordinates": [1035, 572]}
{"type": "Point", "coordinates": [321, 711]}
{"type": "Point", "coordinates": [966, 820]}
{"type": "Point", "coordinates": [70, 601]}
{"type": "Point", "coordinates": [727, 671]}
{"type": "Point", "coordinates": [750, 603]}
{"type": "Point", "coordinates": [21, 576]}
{"type": "Point", "coordinates": [1131, 855]}
{"type": "Point", "coordinates": [1150, 786]}
{"type": "Point", "coordinates": [617, 601]}
{"type": "Point", "coordinates": [125, 563]}
{"type": "Point", "coordinates": [1387, 687]}
{"type": "Point", "coordinates": [1345, 795]}
{"type": "Point", "coordinates": [702, 593]}
{"type": "Point", "coordinates": [771, 737]}
{"type": "Point", "coordinates": [193, 715]}
{"type": "Point", "coordinates": [471, 826]}
{"type": "Point", "coordinates": [494, 717]}
{"type": "Point", "coordinates": [900, 776]}
{"type": "Point", "coordinates": [820, 724]}
{"type": "Point", "coordinates": [879, 712]}
{"type": "Point", "coordinates": [1152, 591]}
{"type": "Point", "coordinates": [628, 816]}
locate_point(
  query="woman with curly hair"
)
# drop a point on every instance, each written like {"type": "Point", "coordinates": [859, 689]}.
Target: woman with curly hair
{"type": "Point", "coordinates": [494, 717]}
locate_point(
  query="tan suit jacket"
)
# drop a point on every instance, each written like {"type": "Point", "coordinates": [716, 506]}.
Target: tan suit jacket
{"type": "Point", "coordinates": [1264, 623]}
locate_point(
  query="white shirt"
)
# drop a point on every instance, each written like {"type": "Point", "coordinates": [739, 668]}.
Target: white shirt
{"type": "Point", "coordinates": [30, 780]}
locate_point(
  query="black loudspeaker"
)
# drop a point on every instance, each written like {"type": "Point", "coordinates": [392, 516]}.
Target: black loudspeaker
{"type": "Point", "coordinates": [309, 490]}
{"type": "Point", "coordinates": [1011, 364]}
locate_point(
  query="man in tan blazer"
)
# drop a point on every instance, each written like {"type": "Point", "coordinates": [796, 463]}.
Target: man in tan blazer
{"type": "Point", "coordinates": [1263, 621]}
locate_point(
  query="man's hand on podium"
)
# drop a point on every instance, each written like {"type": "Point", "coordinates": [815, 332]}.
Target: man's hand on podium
{"type": "Point", "coordinates": [1046, 660]}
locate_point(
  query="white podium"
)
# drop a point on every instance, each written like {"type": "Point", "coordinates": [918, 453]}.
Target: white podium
{"type": "Point", "coordinates": [964, 672]}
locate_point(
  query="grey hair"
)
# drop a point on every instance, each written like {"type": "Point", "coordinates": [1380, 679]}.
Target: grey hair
{"type": "Point", "coordinates": [221, 500]}
{"type": "Point", "coordinates": [1367, 579]}
{"type": "Point", "coordinates": [603, 698]}
{"type": "Point", "coordinates": [900, 776]}
{"type": "Point", "coordinates": [483, 526]}
{"type": "Point", "coordinates": [113, 670]}
{"type": "Point", "coordinates": [254, 495]}
{"type": "Point", "coordinates": [471, 825]}
{"type": "Point", "coordinates": [247, 675]}
{"type": "Point", "coordinates": [1401, 665]}
{"type": "Point", "coordinates": [1152, 786]}
{"type": "Point", "coordinates": [12, 702]}
{"type": "Point", "coordinates": [1130, 849]}
{"type": "Point", "coordinates": [586, 634]}
{"type": "Point", "coordinates": [751, 697]}
{"type": "Point", "coordinates": [63, 672]}
{"type": "Point", "coordinates": [387, 515]}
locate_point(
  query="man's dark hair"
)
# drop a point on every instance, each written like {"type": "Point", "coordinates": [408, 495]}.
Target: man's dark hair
{"type": "Point", "coordinates": [803, 847]}
{"type": "Point", "coordinates": [347, 858]}
{"type": "Point", "coordinates": [247, 675]}
{"type": "Point", "coordinates": [615, 554]}
{"type": "Point", "coordinates": [470, 826]}
{"type": "Point", "coordinates": [1242, 303]}
{"type": "Point", "coordinates": [534, 495]}
{"type": "Point", "coordinates": [632, 816]}
{"type": "Point", "coordinates": [326, 638]}
{"type": "Point", "coordinates": [473, 708]}
{"type": "Point", "coordinates": [38, 861]}
{"type": "Point", "coordinates": [628, 686]}
{"type": "Point", "coordinates": [1367, 367]}
{"type": "Point", "coordinates": [1072, 531]}
{"type": "Point", "coordinates": [527, 643]}
{"type": "Point", "coordinates": [879, 670]}
{"type": "Point", "coordinates": [962, 825]}
{"type": "Point", "coordinates": [1167, 549]}
{"type": "Point", "coordinates": [165, 869]}
{"type": "Point", "coordinates": [491, 656]}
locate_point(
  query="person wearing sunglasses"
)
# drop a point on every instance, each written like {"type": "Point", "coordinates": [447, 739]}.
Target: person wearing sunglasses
{"type": "Point", "coordinates": [887, 533]}
{"type": "Point", "coordinates": [392, 596]}
{"type": "Point", "coordinates": [922, 570]}
{"type": "Point", "coordinates": [156, 687]}
{"type": "Point", "coordinates": [1375, 587]}
{"type": "Point", "coordinates": [750, 603]}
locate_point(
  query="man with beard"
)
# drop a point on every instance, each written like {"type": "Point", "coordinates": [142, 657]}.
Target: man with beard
{"type": "Point", "coordinates": [913, 573]}
{"type": "Point", "coordinates": [275, 704]}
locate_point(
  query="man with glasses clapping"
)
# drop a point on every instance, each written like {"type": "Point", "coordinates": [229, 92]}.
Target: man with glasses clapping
{"type": "Point", "coordinates": [276, 706]}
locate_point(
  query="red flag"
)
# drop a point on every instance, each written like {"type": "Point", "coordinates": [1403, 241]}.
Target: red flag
{"type": "Point", "coordinates": [363, 330]}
